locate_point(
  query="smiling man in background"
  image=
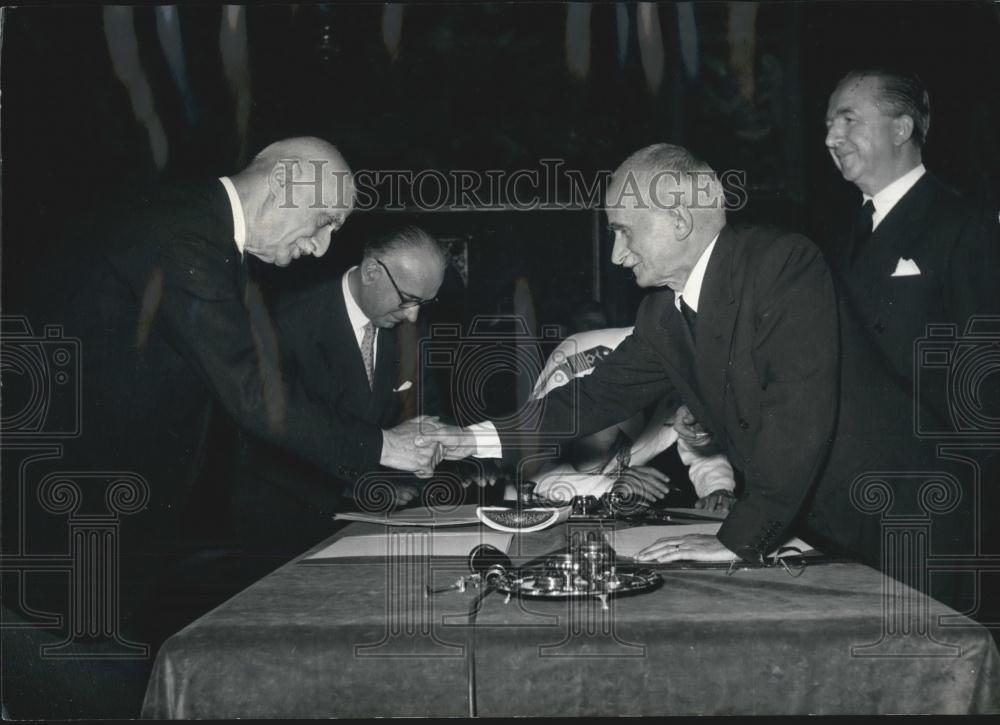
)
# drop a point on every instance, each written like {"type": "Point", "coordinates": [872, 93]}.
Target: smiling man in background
{"type": "Point", "coordinates": [916, 253]}
{"type": "Point", "coordinates": [912, 254]}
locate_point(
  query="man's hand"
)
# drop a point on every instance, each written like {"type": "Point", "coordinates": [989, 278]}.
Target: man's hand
{"type": "Point", "coordinates": [642, 484]}
{"type": "Point", "coordinates": [479, 473]}
{"type": "Point", "coordinates": [410, 447]}
{"type": "Point", "coordinates": [693, 547]}
{"type": "Point", "coordinates": [405, 493]}
{"type": "Point", "coordinates": [721, 501]}
{"type": "Point", "coordinates": [457, 443]}
{"type": "Point", "coordinates": [690, 429]}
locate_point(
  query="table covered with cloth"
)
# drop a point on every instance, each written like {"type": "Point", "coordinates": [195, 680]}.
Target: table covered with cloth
{"type": "Point", "coordinates": [359, 637]}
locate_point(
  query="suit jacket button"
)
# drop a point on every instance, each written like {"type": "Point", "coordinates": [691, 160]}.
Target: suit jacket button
{"type": "Point", "coordinates": [879, 328]}
{"type": "Point", "coordinates": [743, 424]}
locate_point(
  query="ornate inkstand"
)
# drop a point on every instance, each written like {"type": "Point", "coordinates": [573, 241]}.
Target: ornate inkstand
{"type": "Point", "coordinates": [585, 570]}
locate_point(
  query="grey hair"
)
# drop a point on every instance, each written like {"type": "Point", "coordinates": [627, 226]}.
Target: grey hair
{"type": "Point", "coordinates": [676, 163]}
{"type": "Point", "coordinates": [664, 157]}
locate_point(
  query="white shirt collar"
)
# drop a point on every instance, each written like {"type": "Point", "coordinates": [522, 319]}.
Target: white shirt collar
{"type": "Point", "coordinates": [692, 288]}
{"type": "Point", "coordinates": [239, 218]}
{"type": "Point", "coordinates": [358, 318]}
{"type": "Point", "coordinates": [886, 199]}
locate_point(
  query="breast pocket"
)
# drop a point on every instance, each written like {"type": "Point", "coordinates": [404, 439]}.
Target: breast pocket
{"type": "Point", "coordinates": [904, 288]}
{"type": "Point", "coordinates": [908, 297]}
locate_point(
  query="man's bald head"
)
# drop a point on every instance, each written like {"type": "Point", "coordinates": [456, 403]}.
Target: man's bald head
{"type": "Point", "coordinates": [397, 271]}
{"type": "Point", "coordinates": [665, 206]}
{"type": "Point", "coordinates": [664, 176]}
{"type": "Point", "coordinates": [302, 148]}
{"type": "Point", "coordinates": [296, 192]}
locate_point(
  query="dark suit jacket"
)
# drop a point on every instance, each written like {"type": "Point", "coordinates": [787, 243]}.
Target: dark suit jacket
{"type": "Point", "coordinates": [957, 248]}
{"type": "Point", "coordinates": [763, 376]}
{"type": "Point", "coordinates": [319, 352]}
{"type": "Point", "coordinates": [283, 503]}
{"type": "Point", "coordinates": [170, 328]}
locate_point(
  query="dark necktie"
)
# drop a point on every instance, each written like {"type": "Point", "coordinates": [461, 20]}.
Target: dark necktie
{"type": "Point", "coordinates": [690, 316]}
{"type": "Point", "coordinates": [862, 229]}
{"type": "Point", "coordinates": [368, 352]}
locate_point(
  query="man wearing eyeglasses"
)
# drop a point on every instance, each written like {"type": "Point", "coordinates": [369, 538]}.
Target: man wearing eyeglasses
{"type": "Point", "coordinates": [343, 343]}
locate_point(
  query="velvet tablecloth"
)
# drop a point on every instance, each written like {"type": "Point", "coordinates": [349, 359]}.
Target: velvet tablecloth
{"type": "Point", "coordinates": [357, 637]}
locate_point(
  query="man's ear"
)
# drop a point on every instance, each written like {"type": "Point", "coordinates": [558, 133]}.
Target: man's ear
{"type": "Point", "coordinates": [279, 181]}
{"type": "Point", "coordinates": [681, 221]}
{"type": "Point", "coordinates": [369, 270]}
{"type": "Point", "coordinates": [902, 129]}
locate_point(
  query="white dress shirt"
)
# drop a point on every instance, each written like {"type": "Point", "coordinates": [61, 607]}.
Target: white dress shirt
{"type": "Point", "coordinates": [354, 313]}
{"type": "Point", "coordinates": [357, 318]}
{"type": "Point", "coordinates": [577, 356]}
{"type": "Point", "coordinates": [886, 199]}
{"type": "Point", "coordinates": [487, 439]}
{"type": "Point", "coordinates": [692, 288]}
{"type": "Point", "coordinates": [239, 216]}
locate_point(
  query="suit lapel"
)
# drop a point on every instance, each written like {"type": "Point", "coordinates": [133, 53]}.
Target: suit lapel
{"type": "Point", "coordinates": [679, 355]}
{"type": "Point", "coordinates": [224, 236]}
{"type": "Point", "coordinates": [345, 347]}
{"type": "Point", "coordinates": [717, 312]}
{"type": "Point", "coordinates": [894, 239]}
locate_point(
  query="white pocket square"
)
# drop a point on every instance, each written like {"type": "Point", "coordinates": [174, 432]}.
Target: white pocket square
{"type": "Point", "coordinates": [405, 386]}
{"type": "Point", "coordinates": [906, 268]}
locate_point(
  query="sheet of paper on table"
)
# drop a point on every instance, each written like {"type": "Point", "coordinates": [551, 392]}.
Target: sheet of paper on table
{"type": "Point", "coordinates": [693, 513]}
{"type": "Point", "coordinates": [413, 543]}
{"type": "Point", "coordinates": [417, 516]}
{"type": "Point", "coordinates": [629, 542]}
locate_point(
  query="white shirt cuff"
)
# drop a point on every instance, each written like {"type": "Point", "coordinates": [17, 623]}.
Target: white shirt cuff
{"type": "Point", "coordinates": [487, 440]}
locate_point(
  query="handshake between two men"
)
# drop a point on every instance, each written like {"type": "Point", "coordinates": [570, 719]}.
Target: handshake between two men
{"type": "Point", "coordinates": [418, 445]}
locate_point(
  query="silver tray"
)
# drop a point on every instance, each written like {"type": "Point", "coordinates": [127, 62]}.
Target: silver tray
{"type": "Point", "coordinates": [542, 585]}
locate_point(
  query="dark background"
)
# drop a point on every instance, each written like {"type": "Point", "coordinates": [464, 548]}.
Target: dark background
{"type": "Point", "coordinates": [478, 86]}
{"type": "Point", "coordinates": [475, 86]}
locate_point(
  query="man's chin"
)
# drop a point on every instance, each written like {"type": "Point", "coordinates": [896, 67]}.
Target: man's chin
{"type": "Point", "coordinates": [644, 282]}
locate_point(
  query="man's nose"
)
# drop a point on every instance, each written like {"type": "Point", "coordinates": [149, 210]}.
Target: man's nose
{"type": "Point", "coordinates": [322, 242]}
{"type": "Point", "coordinates": [834, 135]}
{"type": "Point", "coordinates": [411, 313]}
{"type": "Point", "coordinates": [619, 251]}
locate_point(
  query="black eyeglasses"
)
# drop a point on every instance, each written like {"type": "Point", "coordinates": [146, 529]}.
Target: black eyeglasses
{"type": "Point", "coordinates": [406, 301]}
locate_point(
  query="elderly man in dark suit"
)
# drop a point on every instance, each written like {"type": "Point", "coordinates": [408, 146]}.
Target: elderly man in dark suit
{"type": "Point", "coordinates": [743, 324]}
{"type": "Point", "coordinates": [344, 343]}
{"type": "Point", "coordinates": [173, 329]}
{"type": "Point", "coordinates": [172, 334]}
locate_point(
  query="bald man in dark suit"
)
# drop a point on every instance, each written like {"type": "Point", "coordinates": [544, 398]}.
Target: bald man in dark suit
{"type": "Point", "coordinates": [745, 326]}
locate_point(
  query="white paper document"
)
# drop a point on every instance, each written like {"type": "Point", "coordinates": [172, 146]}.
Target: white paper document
{"type": "Point", "coordinates": [681, 513]}
{"type": "Point", "coordinates": [413, 543]}
{"type": "Point", "coordinates": [418, 516]}
{"type": "Point", "coordinates": [629, 542]}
